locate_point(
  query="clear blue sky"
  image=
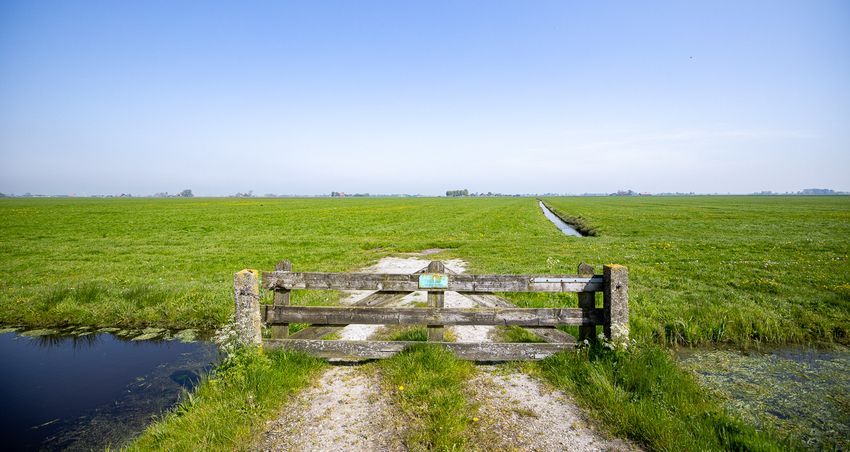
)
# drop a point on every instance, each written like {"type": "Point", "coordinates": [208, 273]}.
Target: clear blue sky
{"type": "Point", "coordinates": [424, 96]}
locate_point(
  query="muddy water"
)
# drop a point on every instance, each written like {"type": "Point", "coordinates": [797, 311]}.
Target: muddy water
{"type": "Point", "coordinates": [91, 391]}
{"type": "Point", "coordinates": [801, 391]}
{"type": "Point", "coordinates": [564, 227]}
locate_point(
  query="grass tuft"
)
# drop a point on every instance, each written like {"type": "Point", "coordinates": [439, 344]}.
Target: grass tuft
{"type": "Point", "coordinates": [406, 333]}
{"type": "Point", "coordinates": [428, 383]}
{"type": "Point", "coordinates": [513, 333]}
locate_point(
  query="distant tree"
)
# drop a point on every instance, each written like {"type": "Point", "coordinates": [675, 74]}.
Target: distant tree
{"type": "Point", "coordinates": [186, 193]}
{"type": "Point", "coordinates": [463, 192]}
{"type": "Point", "coordinates": [2, 195]}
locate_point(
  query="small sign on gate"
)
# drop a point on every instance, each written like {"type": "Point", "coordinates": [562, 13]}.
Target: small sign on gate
{"type": "Point", "coordinates": [434, 281]}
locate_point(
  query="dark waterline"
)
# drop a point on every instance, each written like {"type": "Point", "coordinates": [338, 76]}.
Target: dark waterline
{"type": "Point", "coordinates": [564, 227]}
{"type": "Point", "coordinates": [89, 392]}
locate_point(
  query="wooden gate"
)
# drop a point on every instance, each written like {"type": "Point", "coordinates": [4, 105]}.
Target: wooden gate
{"type": "Point", "coordinates": [388, 289]}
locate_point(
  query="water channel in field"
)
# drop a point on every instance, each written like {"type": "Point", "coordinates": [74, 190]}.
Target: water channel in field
{"type": "Point", "coordinates": [558, 222]}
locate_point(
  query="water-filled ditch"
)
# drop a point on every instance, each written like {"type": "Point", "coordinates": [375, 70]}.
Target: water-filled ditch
{"type": "Point", "coordinates": [557, 221]}
{"type": "Point", "coordinates": [91, 389]}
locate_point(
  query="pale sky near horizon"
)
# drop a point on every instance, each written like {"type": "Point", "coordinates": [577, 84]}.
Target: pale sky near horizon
{"type": "Point", "coordinates": [423, 96]}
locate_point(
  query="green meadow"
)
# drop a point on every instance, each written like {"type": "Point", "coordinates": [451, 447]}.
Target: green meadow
{"type": "Point", "coordinates": [735, 270]}
{"type": "Point", "coordinates": [707, 271]}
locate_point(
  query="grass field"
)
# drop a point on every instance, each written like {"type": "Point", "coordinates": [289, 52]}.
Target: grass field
{"type": "Point", "coordinates": [727, 269]}
{"type": "Point", "coordinates": [703, 270]}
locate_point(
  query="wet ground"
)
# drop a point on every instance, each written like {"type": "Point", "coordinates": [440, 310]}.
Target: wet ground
{"type": "Point", "coordinates": [803, 392]}
{"type": "Point", "coordinates": [93, 389]}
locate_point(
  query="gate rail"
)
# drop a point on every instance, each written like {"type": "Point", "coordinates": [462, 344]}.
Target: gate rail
{"type": "Point", "coordinates": [436, 280]}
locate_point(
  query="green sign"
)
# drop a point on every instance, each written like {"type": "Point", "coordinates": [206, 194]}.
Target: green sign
{"type": "Point", "coordinates": [434, 281]}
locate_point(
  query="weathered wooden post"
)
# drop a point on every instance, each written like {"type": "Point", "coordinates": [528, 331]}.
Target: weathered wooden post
{"type": "Point", "coordinates": [246, 293]}
{"type": "Point", "coordinates": [587, 302]}
{"type": "Point", "coordinates": [436, 299]}
{"type": "Point", "coordinates": [615, 296]}
{"type": "Point", "coordinates": [281, 298]}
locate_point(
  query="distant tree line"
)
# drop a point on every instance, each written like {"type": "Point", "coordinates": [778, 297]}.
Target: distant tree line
{"type": "Point", "coordinates": [339, 194]}
{"type": "Point", "coordinates": [187, 193]}
{"type": "Point", "coordinates": [465, 192]}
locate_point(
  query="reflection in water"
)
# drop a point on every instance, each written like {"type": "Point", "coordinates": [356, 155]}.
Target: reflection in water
{"type": "Point", "coordinates": [564, 227]}
{"type": "Point", "coordinates": [797, 390]}
{"type": "Point", "coordinates": [55, 340]}
{"type": "Point", "coordinates": [90, 391]}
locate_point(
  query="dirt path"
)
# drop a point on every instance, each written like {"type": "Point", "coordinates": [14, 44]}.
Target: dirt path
{"type": "Point", "coordinates": [346, 409]}
{"type": "Point", "coordinates": [524, 414]}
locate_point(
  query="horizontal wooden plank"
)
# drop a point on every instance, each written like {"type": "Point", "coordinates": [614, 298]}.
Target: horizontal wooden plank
{"type": "Point", "coordinates": [547, 333]}
{"type": "Point", "coordinates": [385, 349]}
{"type": "Point", "coordinates": [373, 299]}
{"type": "Point", "coordinates": [407, 282]}
{"type": "Point", "coordinates": [430, 316]}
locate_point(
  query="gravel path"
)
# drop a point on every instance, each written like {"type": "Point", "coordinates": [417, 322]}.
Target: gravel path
{"type": "Point", "coordinates": [345, 410]}
{"type": "Point", "coordinates": [524, 414]}
{"type": "Point", "coordinates": [467, 333]}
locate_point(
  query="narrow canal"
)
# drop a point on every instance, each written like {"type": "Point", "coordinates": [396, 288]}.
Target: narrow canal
{"type": "Point", "coordinates": [91, 391]}
{"type": "Point", "coordinates": [564, 227]}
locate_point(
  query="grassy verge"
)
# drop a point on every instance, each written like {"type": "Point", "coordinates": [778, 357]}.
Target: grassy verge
{"type": "Point", "coordinates": [226, 410]}
{"type": "Point", "coordinates": [428, 383]}
{"type": "Point", "coordinates": [643, 395]}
